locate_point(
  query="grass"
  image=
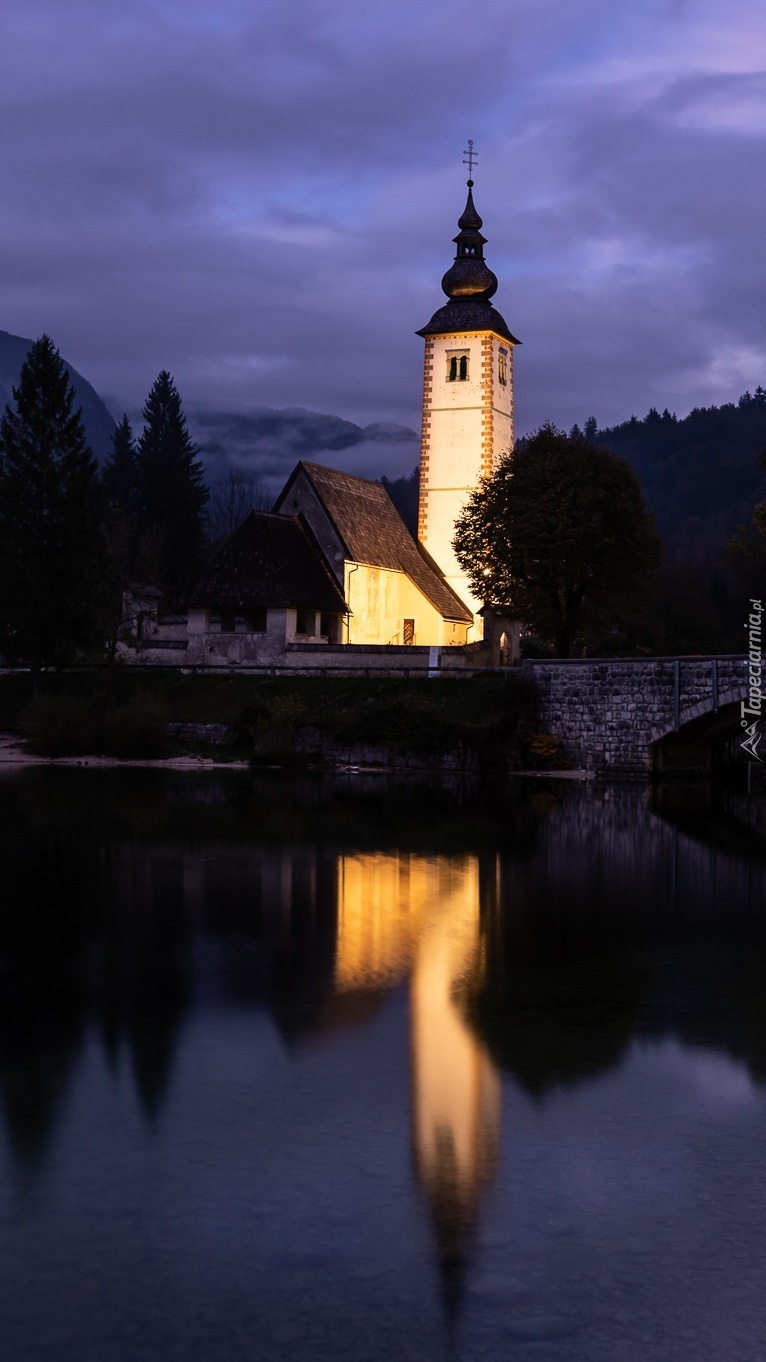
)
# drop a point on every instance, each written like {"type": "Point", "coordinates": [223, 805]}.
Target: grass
{"type": "Point", "coordinates": [418, 714]}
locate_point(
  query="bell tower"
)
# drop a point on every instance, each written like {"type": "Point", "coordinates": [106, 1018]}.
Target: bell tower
{"type": "Point", "coordinates": [467, 395]}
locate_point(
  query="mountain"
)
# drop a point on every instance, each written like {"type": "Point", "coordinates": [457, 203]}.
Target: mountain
{"type": "Point", "coordinates": [269, 441]}
{"type": "Point", "coordinates": [698, 473]}
{"type": "Point", "coordinates": [98, 421]}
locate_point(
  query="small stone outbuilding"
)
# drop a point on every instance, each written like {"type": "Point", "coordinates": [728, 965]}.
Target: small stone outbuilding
{"type": "Point", "coordinates": [268, 586]}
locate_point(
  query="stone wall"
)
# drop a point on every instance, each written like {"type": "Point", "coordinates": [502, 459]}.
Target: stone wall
{"type": "Point", "coordinates": [609, 713]}
{"type": "Point", "coordinates": [268, 654]}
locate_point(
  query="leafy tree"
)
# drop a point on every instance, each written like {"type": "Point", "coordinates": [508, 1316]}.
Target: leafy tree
{"type": "Point", "coordinates": [172, 495]}
{"type": "Point", "coordinates": [561, 536]}
{"type": "Point", "coordinates": [232, 499]}
{"type": "Point", "coordinates": [51, 547]}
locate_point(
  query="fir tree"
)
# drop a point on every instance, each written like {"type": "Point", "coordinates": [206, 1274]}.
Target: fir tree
{"type": "Point", "coordinates": [120, 476]}
{"type": "Point", "coordinates": [120, 492]}
{"type": "Point", "coordinates": [172, 495]}
{"type": "Point", "coordinates": [51, 548]}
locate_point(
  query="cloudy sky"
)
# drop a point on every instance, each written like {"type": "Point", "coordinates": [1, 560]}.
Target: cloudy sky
{"type": "Point", "coordinates": [260, 195]}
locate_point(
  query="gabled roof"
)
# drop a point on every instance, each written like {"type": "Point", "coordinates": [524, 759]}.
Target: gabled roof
{"type": "Point", "coordinates": [372, 531]}
{"type": "Point", "coordinates": [271, 561]}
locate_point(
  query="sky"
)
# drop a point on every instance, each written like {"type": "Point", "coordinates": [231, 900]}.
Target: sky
{"type": "Point", "coordinates": [260, 196]}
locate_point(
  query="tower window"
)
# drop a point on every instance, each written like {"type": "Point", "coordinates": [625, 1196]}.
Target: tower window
{"type": "Point", "coordinates": [502, 370]}
{"type": "Point", "coordinates": [457, 367]}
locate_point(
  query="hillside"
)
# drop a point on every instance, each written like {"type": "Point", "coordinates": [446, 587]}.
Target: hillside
{"type": "Point", "coordinates": [698, 472]}
{"type": "Point", "coordinates": [99, 424]}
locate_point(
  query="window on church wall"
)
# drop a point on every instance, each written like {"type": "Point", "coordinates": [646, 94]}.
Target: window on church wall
{"type": "Point", "coordinates": [457, 366]}
{"type": "Point", "coordinates": [502, 368]}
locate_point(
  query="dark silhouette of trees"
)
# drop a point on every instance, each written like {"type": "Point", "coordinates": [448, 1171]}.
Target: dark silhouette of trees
{"type": "Point", "coordinates": [120, 476]}
{"type": "Point", "coordinates": [172, 495]}
{"type": "Point", "coordinates": [231, 501]}
{"type": "Point", "coordinates": [129, 557]}
{"type": "Point", "coordinates": [697, 471]}
{"type": "Point", "coordinates": [404, 493]}
{"type": "Point", "coordinates": [51, 548]}
{"type": "Point", "coordinates": [746, 550]}
{"type": "Point", "coordinates": [559, 535]}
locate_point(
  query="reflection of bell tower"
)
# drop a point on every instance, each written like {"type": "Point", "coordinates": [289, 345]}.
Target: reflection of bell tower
{"type": "Point", "coordinates": [455, 1086]}
{"type": "Point", "coordinates": [398, 915]}
{"type": "Point", "coordinates": [467, 395]}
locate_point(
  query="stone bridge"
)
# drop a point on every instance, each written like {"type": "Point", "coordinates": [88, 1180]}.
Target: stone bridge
{"type": "Point", "coordinates": [635, 717]}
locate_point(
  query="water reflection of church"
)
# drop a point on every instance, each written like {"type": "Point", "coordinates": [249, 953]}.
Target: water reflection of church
{"type": "Point", "coordinates": [541, 955]}
{"type": "Point", "coordinates": [403, 915]}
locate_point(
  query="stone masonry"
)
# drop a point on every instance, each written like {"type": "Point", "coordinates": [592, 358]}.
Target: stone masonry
{"type": "Point", "coordinates": [609, 713]}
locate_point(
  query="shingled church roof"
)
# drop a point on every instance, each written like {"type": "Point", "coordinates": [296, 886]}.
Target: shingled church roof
{"type": "Point", "coordinates": [271, 561]}
{"type": "Point", "coordinates": [373, 532]}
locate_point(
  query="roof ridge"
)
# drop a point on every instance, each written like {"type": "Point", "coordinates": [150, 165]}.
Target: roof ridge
{"type": "Point", "coordinates": [341, 473]}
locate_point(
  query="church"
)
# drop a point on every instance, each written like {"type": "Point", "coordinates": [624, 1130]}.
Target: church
{"type": "Point", "coordinates": [333, 563]}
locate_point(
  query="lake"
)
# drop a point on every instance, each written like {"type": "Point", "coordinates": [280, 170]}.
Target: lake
{"type": "Point", "coordinates": [358, 1067]}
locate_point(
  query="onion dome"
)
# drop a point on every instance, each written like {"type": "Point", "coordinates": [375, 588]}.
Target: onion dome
{"type": "Point", "coordinates": [470, 275]}
{"type": "Point", "coordinates": [469, 284]}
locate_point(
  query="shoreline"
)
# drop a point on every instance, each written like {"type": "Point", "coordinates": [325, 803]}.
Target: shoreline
{"type": "Point", "coordinates": [13, 754]}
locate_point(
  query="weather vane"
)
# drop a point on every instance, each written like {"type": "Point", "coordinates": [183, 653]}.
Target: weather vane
{"type": "Point", "coordinates": [470, 158]}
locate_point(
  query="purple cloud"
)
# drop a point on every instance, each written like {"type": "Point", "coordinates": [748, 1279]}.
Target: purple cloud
{"type": "Point", "coordinates": [262, 197]}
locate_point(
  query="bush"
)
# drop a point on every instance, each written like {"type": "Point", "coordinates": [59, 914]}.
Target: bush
{"type": "Point", "coordinates": [543, 752]}
{"type": "Point", "coordinates": [61, 726]}
{"type": "Point", "coordinates": [138, 729]}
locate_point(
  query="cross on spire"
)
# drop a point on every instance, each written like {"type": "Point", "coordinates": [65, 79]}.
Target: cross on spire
{"type": "Point", "coordinates": [470, 159]}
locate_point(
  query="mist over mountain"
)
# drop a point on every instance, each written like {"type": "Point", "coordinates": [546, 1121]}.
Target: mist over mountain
{"type": "Point", "coordinates": [698, 472]}
{"type": "Point", "coordinates": [269, 442]}
{"type": "Point", "coordinates": [97, 419]}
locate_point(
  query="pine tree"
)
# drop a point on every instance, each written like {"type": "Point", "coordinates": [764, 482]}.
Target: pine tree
{"type": "Point", "coordinates": [51, 547]}
{"type": "Point", "coordinates": [172, 494]}
{"type": "Point", "coordinates": [120, 476]}
{"type": "Point", "coordinates": [119, 488]}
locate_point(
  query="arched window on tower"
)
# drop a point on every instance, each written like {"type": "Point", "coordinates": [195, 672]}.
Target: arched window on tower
{"type": "Point", "coordinates": [457, 366]}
